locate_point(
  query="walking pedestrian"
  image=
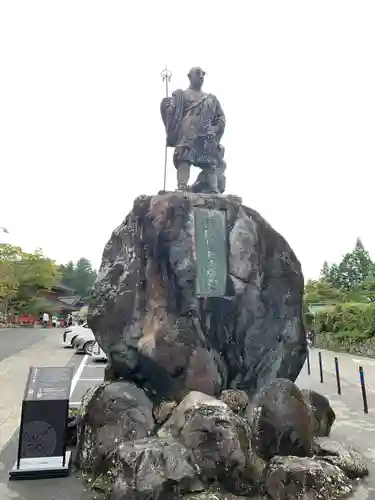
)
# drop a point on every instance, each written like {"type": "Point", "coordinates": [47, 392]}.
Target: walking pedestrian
{"type": "Point", "coordinates": [45, 320]}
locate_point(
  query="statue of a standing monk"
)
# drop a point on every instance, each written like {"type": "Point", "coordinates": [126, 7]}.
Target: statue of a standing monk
{"type": "Point", "coordinates": [195, 123]}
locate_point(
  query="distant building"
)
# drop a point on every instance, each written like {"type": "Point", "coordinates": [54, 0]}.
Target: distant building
{"type": "Point", "coordinates": [64, 299]}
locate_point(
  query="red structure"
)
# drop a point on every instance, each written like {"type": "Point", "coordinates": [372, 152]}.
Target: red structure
{"type": "Point", "coordinates": [63, 300]}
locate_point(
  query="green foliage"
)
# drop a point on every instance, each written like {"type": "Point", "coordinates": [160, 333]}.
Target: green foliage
{"type": "Point", "coordinates": [352, 320]}
{"type": "Point", "coordinates": [23, 276]}
{"type": "Point", "coordinates": [348, 291]}
{"type": "Point", "coordinates": [35, 305]}
{"type": "Point", "coordinates": [364, 291]}
{"type": "Point", "coordinates": [79, 276]}
{"type": "Point", "coordinates": [321, 291]}
{"type": "Point", "coordinates": [354, 268]}
{"type": "Point", "coordinates": [10, 256]}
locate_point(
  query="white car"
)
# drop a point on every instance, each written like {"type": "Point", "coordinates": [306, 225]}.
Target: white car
{"type": "Point", "coordinates": [97, 353]}
{"type": "Point", "coordinates": [84, 341]}
{"type": "Point", "coordinates": [72, 332]}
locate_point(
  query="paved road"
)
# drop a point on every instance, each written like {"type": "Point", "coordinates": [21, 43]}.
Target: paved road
{"type": "Point", "coordinates": [348, 367]}
{"type": "Point", "coordinates": [13, 340]}
{"type": "Point", "coordinates": [69, 488]}
{"type": "Point", "coordinates": [352, 425]}
{"type": "Point", "coordinates": [45, 351]}
{"type": "Point", "coordinates": [88, 375]}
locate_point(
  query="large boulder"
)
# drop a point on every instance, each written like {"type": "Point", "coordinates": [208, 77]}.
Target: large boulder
{"type": "Point", "coordinates": [219, 441]}
{"type": "Point", "coordinates": [153, 468]}
{"type": "Point", "coordinates": [321, 411]}
{"type": "Point", "coordinates": [306, 478]}
{"type": "Point", "coordinates": [346, 457]}
{"type": "Point", "coordinates": [280, 421]}
{"type": "Point", "coordinates": [155, 330]}
{"type": "Point", "coordinates": [118, 412]}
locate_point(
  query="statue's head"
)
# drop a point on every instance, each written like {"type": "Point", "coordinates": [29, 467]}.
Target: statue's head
{"type": "Point", "coordinates": [196, 77]}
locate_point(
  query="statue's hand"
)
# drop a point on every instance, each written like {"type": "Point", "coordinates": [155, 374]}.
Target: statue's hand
{"type": "Point", "coordinates": [166, 102]}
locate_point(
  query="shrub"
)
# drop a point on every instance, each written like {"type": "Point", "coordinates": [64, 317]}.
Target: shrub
{"type": "Point", "coordinates": [350, 320]}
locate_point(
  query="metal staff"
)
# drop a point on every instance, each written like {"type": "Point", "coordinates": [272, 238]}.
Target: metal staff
{"type": "Point", "coordinates": [166, 76]}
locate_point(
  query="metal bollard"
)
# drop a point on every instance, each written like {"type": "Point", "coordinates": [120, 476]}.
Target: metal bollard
{"type": "Point", "coordinates": [308, 362]}
{"type": "Point", "coordinates": [320, 366]}
{"type": "Point", "coordinates": [363, 387]}
{"type": "Point", "coordinates": [337, 370]}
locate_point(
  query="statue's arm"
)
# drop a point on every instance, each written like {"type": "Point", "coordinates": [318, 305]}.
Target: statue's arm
{"type": "Point", "coordinates": [165, 107]}
{"type": "Point", "coordinates": [172, 111]}
{"type": "Point", "coordinates": [170, 106]}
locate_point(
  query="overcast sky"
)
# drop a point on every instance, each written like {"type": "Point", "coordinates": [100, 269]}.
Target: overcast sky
{"type": "Point", "coordinates": [81, 134]}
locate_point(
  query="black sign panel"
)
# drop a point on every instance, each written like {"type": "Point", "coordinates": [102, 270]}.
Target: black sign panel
{"type": "Point", "coordinates": [45, 413]}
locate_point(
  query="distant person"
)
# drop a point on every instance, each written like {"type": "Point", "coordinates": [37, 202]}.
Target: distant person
{"type": "Point", "coordinates": [45, 320]}
{"type": "Point", "coordinates": [70, 320]}
{"type": "Point", "coordinates": [54, 321]}
{"type": "Point", "coordinates": [309, 339]}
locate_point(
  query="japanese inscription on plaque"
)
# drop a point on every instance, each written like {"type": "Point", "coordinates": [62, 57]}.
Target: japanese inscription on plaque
{"type": "Point", "coordinates": [211, 252]}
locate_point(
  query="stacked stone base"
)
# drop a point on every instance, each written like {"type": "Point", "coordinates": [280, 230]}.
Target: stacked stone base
{"type": "Point", "coordinates": [275, 446]}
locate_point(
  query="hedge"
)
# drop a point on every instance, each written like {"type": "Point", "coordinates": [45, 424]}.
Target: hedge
{"type": "Point", "coordinates": [347, 321]}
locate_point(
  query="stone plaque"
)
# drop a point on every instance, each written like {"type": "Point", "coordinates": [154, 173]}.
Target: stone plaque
{"type": "Point", "coordinates": [45, 413]}
{"type": "Point", "coordinates": [211, 252]}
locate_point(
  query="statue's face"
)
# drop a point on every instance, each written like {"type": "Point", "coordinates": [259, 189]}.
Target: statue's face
{"type": "Point", "coordinates": [196, 77]}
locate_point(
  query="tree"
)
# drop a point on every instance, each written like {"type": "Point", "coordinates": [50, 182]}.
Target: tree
{"type": "Point", "coordinates": [10, 256]}
{"type": "Point", "coordinates": [68, 274]}
{"type": "Point", "coordinates": [324, 273]}
{"type": "Point", "coordinates": [24, 276]}
{"type": "Point", "coordinates": [36, 274]}
{"type": "Point", "coordinates": [363, 292]}
{"type": "Point", "coordinates": [79, 276]}
{"type": "Point", "coordinates": [354, 268]}
{"type": "Point", "coordinates": [322, 292]}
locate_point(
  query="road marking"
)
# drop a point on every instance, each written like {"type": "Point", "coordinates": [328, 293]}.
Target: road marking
{"type": "Point", "coordinates": [78, 374]}
{"type": "Point", "coordinates": [91, 379]}
{"type": "Point", "coordinates": [95, 366]}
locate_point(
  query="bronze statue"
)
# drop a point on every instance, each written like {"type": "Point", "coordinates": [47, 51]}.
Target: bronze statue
{"type": "Point", "coordinates": [195, 123]}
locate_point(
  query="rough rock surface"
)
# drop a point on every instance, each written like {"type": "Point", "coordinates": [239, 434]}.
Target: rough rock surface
{"type": "Point", "coordinates": [163, 411]}
{"type": "Point", "coordinates": [153, 468]}
{"type": "Point", "coordinates": [280, 421]}
{"type": "Point", "coordinates": [219, 441]}
{"type": "Point", "coordinates": [206, 451]}
{"type": "Point", "coordinates": [345, 457]}
{"type": "Point", "coordinates": [117, 412]}
{"type": "Point", "coordinates": [155, 331]}
{"type": "Point", "coordinates": [217, 493]}
{"type": "Point", "coordinates": [292, 478]}
{"type": "Point", "coordinates": [322, 414]}
{"type": "Point", "coordinates": [236, 400]}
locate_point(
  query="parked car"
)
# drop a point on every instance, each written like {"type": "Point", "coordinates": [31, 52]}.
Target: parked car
{"type": "Point", "coordinates": [97, 353]}
{"type": "Point", "coordinates": [84, 341]}
{"type": "Point", "coordinates": [72, 332]}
